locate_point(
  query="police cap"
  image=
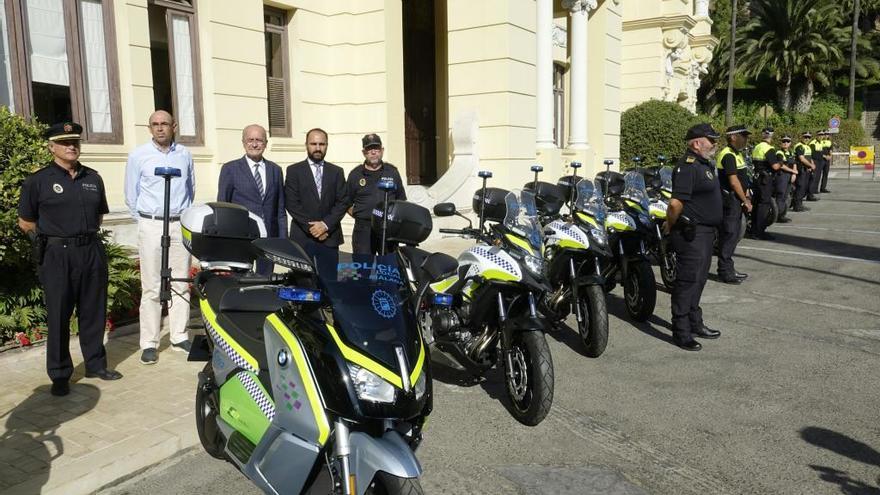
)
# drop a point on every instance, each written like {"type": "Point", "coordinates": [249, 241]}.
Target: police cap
{"type": "Point", "coordinates": [371, 141]}
{"type": "Point", "coordinates": [768, 130]}
{"type": "Point", "coordinates": [807, 134]}
{"type": "Point", "coordinates": [701, 130]}
{"type": "Point", "coordinates": [786, 139]}
{"type": "Point", "coordinates": [63, 131]}
{"type": "Point", "coordinates": [737, 129]}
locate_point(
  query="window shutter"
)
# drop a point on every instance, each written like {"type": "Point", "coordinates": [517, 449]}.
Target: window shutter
{"type": "Point", "coordinates": [277, 103]}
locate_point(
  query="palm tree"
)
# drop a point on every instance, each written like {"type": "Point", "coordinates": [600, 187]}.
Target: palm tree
{"type": "Point", "coordinates": [798, 42]}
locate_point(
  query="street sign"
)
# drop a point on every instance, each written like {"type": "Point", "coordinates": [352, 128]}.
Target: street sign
{"type": "Point", "coordinates": [861, 155]}
{"type": "Point", "coordinates": [834, 125]}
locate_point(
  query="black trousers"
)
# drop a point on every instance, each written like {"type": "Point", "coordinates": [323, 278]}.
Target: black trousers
{"type": "Point", "coordinates": [826, 169]}
{"type": "Point", "coordinates": [365, 241]}
{"type": "Point", "coordinates": [693, 259]}
{"type": "Point", "coordinates": [800, 186]}
{"type": "Point", "coordinates": [813, 187]}
{"type": "Point", "coordinates": [762, 189]}
{"type": "Point", "coordinates": [728, 234]}
{"type": "Point", "coordinates": [781, 187]}
{"type": "Point", "coordinates": [74, 277]}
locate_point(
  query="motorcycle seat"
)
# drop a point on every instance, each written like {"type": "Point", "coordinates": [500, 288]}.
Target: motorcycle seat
{"type": "Point", "coordinates": [242, 314]}
{"type": "Point", "coordinates": [429, 267]}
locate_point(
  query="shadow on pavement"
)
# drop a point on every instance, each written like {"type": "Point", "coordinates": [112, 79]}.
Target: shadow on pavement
{"type": "Point", "coordinates": [847, 447]}
{"type": "Point", "coordinates": [617, 307]}
{"type": "Point", "coordinates": [814, 270]}
{"type": "Point", "coordinates": [31, 432]}
{"type": "Point", "coordinates": [826, 246]}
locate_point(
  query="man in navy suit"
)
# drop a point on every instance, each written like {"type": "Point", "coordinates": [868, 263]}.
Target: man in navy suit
{"type": "Point", "coordinates": [316, 198]}
{"type": "Point", "coordinates": [256, 183]}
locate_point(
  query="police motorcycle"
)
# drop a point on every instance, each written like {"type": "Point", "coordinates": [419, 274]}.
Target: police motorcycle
{"type": "Point", "coordinates": [316, 379]}
{"type": "Point", "coordinates": [482, 308]}
{"type": "Point", "coordinates": [573, 246]}
{"type": "Point", "coordinates": [658, 182]}
{"type": "Point", "coordinates": [629, 229]}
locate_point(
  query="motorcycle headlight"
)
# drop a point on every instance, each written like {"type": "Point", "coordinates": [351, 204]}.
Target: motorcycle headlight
{"type": "Point", "coordinates": [534, 264]}
{"type": "Point", "coordinates": [421, 385]}
{"type": "Point", "coordinates": [370, 386]}
{"type": "Point", "coordinates": [600, 236]}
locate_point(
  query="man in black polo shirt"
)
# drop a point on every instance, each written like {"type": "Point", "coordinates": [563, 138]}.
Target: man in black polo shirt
{"type": "Point", "coordinates": [694, 213]}
{"type": "Point", "coordinates": [732, 175]}
{"type": "Point", "coordinates": [766, 163]}
{"type": "Point", "coordinates": [61, 209]}
{"type": "Point", "coordinates": [364, 193]}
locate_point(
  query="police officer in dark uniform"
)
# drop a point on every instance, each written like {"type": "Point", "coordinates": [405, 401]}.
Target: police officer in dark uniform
{"type": "Point", "coordinates": [732, 175]}
{"type": "Point", "coordinates": [803, 158]}
{"type": "Point", "coordinates": [365, 194]}
{"type": "Point", "coordinates": [694, 213]}
{"type": "Point", "coordinates": [784, 178]}
{"type": "Point", "coordinates": [766, 163]}
{"type": "Point", "coordinates": [61, 209]}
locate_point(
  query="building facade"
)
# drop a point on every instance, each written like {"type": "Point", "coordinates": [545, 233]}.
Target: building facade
{"type": "Point", "coordinates": [451, 86]}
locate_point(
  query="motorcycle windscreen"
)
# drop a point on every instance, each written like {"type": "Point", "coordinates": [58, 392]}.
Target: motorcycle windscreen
{"type": "Point", "coordinates": [521, 217]}
{"type": "Point", "coordinates": [590, 201]}
{"type": "Point", "coordinates": [368, 312]}
{"type": "Point", "coordinates": [666, 178]}
{"type": "Point", "coordinates": [634, 189]}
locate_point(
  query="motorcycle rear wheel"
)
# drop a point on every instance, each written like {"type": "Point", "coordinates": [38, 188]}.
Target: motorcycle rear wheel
{"type": "Point", "coordinates": [530, 380]}
{"type": "Point", "coordinates": [668, 276]}
{"type": "Point", "coordinates": [386, 484]}
{"type": "Point", "coordinates": [594, 327]}
{"type": "Point", "coordinates": [207, 412]}
{"type": "Point", "coordinates": [640, 291]}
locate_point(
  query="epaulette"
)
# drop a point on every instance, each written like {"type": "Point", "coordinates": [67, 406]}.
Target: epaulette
{"type": "Point", "coordinates": [690, 159]}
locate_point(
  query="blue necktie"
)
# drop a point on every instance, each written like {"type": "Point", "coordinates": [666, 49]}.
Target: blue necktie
{"type": "Point", "coordinates": [259, 180]}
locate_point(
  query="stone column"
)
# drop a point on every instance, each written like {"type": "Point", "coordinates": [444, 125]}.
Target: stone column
{"type": "Point", "coordinates": [579, 11]}
{"type": "Point", "coordinates": [701, 8]}
{"type": "Point", "coordinates": [544, 70]}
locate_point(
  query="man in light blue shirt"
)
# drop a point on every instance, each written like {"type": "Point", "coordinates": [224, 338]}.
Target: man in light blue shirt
{"type": "Point", "coordinates": [145, 197]}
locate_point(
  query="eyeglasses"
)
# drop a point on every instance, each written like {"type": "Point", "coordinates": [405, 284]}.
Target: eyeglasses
{"type": "Point", "coordinates": [255, 140]}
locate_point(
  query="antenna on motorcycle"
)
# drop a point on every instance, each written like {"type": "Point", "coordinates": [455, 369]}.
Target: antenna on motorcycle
{"type": "Point", "coordinates": [573, 184]}
{"type": "Point", "coordinates": [608, 164]}
{"type": "Point", "coordinates": [483, 174]}
{"type": "Point", "coordinates": [661, 159]}
{"type": "Point", "coordinates": [536, 169]}
{"type": "Point", "coordinates": [637, 160]}
{"type": "Point", "coordinates": [386, 186]}
{"type": "Point", "coordinates": [165, 271]}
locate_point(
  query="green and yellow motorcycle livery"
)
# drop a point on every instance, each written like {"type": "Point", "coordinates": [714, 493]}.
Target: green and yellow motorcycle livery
{"type": "Point", "coordinates": [317, 379]}
{"type": "Point", "coordinates": [629, 229]}
{"type": "Point", "coordinates": [482, 308]}
{"type": "Point", "coordinates": [574, 243]}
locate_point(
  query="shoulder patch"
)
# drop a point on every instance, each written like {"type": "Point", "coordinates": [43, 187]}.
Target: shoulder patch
{"type": "Point", "coordinates": [690, 159]}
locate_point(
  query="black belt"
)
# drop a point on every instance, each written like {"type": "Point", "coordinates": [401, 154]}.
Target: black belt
{"type": "Point", "coordinates": [77, 240]}
{"type": "Point", "coordinates": [159, 217]}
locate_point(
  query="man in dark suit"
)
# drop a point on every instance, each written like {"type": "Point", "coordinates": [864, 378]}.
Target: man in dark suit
{"type": "Point", "coordinates": [256, 183]}
{"type": "Point", "coordinates": [316, 198]}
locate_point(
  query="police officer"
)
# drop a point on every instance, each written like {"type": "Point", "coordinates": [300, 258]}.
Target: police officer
{"type": "Point", "coordinates": [826, 160]}
{"type": "Point", "coordinates": [766, 163]}
{"type": "Point", "coordinates": [817, 155]}
{"type": "Point", "coordinates": [61, 208]}
{"type": "Point", "coordinates": [732, 175]}
{"type": "Point", "coordinates": [694, 213]}
{"type": "Point", "coordinates": [784, 178]}
{"type": "Point", "coordinates": [803, 157]}
{"type": "Point", "coordinates": [364, 193]}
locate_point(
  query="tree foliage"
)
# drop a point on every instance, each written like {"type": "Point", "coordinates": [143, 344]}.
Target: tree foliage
{"type": "Point", "coordinates": [654, 128]}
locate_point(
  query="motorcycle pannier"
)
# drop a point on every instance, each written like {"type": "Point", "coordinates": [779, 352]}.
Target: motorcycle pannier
{"type": "Point", "coordinates": [408, 223]}
{"type": "Point", "coordinates": [221, 233]}
{"type": "Point", "coordinates": [496, 209]}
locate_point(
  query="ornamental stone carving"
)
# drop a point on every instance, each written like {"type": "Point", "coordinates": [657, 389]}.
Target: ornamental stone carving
{"type": "Point", "coordinates": [560, 36]}
{"type": "Point", "coordinates": [574, 6]}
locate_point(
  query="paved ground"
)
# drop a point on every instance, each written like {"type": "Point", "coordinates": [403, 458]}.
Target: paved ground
{"type": "Point", "coordinates": [785, 402]}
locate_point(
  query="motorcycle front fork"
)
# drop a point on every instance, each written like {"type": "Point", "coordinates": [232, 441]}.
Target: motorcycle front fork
{"type": "Point", "coordinates": [343, 453]}
{"type": "Point", "coordinates": [502, 317]}
{"type": "Point", "coordinates": [663, 258]}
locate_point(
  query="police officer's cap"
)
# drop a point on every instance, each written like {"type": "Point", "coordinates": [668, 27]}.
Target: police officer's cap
{"type": "Point", "coordinates": [786, 139]}
{"type": "Point", "coordinates": [64, 131]}
{"type": "Point", "coordinates": [737, 129]}
{"type": "Point", "coordinates": [768, 130]}
{"type": "Point", "coordinates": [701, 130]}
{"type": "Point", "coordinates": [807, 134]}
{"type": "Point", "coordinates": [371, 141]}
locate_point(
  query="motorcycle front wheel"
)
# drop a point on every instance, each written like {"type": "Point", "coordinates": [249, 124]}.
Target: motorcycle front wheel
{"type": "Point", "coordinates": [529, 374]}
{"type": "Point", "coordinates": [593, 327]}
{"type": "Point", "coordinates": [207, 412]}
{"type": "Point", "coordinates": [640, 290]}
{"type": "Point", "coordinates": [668, 276]}
{"type": "Point", "coordinates": [386, 484]}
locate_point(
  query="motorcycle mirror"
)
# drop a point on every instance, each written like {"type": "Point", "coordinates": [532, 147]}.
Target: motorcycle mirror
{"type": "Point", "coordinates": [444, 209]}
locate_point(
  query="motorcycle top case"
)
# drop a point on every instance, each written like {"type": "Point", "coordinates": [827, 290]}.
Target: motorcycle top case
{"type": "Point", "coordinates": [611, 183]}
{"type": "Point", "coordinates": [221, 232]}
{"type": "Point", "coordinates": [408, 223]}
{"type": "Point", "coordinates": [496, 208]}
{"type": "Point", "coordinates": [549, 198]}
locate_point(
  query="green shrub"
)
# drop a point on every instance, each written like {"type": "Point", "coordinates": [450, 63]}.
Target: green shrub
{"type": "Point", "coordinates": [22, 150]}
{"type": "Point", "coordinates": [654, 128]}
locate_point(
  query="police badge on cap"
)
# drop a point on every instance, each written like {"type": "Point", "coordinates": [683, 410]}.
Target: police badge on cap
{"type": "Point", "coordinates": [64, 131]}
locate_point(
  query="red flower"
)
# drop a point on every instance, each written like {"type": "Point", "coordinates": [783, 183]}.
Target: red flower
{"type": "Point", "coordinates": [22, 339]}
{"type": "Point", "coordinates": [109, 326]}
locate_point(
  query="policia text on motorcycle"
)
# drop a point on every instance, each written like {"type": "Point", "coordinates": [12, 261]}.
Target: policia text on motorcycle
{"type": "Point", "coordinates": [364, 193]}
{"type": "Point", "coordinates": [732, 174]}
{"type": "Point", "coordinates": [766, 163]}
{"type": "Point", "coordinates": [61, 208]}
{"type": "Point", "coordinates": [694, 213]}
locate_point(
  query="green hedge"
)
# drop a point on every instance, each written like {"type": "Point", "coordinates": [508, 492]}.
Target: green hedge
{"type": "Point", "coordinates": [653, 128]}
{"type": "Point", "coordinates": [22, 313]}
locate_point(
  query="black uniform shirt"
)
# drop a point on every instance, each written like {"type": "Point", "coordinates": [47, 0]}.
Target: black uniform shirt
{"type": "Point", "coordinates": [364, 192]}
{"type": "Point", "coordinates": [728, 165]}
{"type": "Point", "coordinates": [62, 205]}
{"type": "Point", "coordinates": [695, 184]}
{"type": "Point", "coordinates": [799, 151]}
